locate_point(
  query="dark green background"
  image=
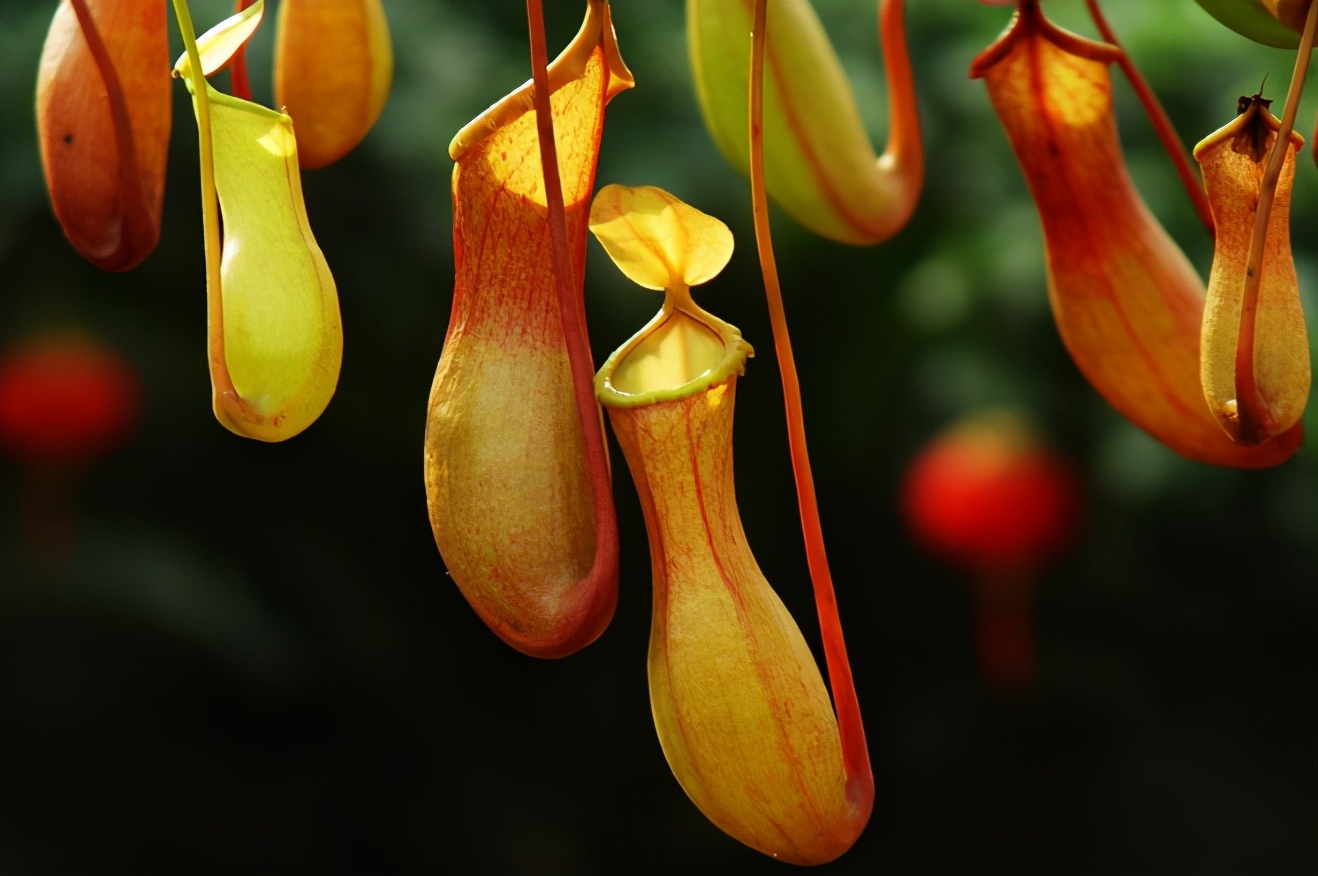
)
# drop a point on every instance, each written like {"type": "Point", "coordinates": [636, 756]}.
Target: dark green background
{"type": "Point", "coordinates": [253, 659]}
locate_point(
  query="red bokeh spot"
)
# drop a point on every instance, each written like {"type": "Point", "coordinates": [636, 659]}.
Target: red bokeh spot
{"type": "Point", "coordinates": [988, 496]}
{"type": "Point", "coordinates": [66, 397]}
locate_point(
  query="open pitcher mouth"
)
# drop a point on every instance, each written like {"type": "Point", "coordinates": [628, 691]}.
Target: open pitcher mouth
{"type": "Point", "coordinates": [741, 709]}
{"type": "Point", "coordinates": [682, 351]}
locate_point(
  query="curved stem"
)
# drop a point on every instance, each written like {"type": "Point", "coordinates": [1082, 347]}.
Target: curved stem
{"type": "Point", "coordinates": [1162, 125]}
{"type": "Point", "coordinates": [855, 754]}
{"type": "Point", "coordinates": [904, 148]}
{"type": "Point", "coordinates": [210, 217]}
{"type": "Point", "coordinates": [1006, 651]}
{"type": "Point", "coordinates": [1250, 407]}
{"type": "Point", "coordinates": [570, 313]}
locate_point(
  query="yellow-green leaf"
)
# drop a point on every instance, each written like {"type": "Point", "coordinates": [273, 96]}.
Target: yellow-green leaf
{"type": "Point", "coordinates": [218, 45]}
{"type": "Point", "coordinates": [656, 240]}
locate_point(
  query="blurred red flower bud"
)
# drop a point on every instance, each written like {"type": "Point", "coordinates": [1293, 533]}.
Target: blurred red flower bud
{"type": "Point", "coordinates": [988, 495]}
{"type": "Point", "coordinates": [66, 397]}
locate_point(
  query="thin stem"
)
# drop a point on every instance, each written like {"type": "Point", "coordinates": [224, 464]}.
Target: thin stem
{"type": "Point", "coordinates": [855, 754]}
{"type": "Point", "coordinates": [131, 196]}
{"type": "Point", "coordinates": [1162, 125]}
{"type": "Point", "coordinates": [48, 514]}
{"type": "Point", "coordinates": [1251, 410]}
{"type": "Point", "coordinates": [210, 219]}
{"type": "Point", "coordinates": [239, 84]}
{"type": "Point", "coordinates": [1005, 645]}
{"type": "Point", "coordinates": [605, 564]}
{"type": "Point", "coordinates": [905, 147]}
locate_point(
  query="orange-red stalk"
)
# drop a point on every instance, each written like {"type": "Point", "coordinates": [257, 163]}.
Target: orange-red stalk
{"type": "Point", "coordinates": [238, 81]}
{"type": "Point", "coordinates": [569, 312]}
{"type": "Point", "coordinates": [1162, 125]}
{"type": "Point", "coordinates": [851, 729]}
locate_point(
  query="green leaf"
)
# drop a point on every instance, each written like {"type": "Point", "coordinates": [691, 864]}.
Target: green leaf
{"type": "Point", "coordinates": [1252, 19]}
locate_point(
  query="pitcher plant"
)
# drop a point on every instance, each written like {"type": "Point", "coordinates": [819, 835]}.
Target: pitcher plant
{"type": "Point", "coordinates": [103, 118]}
{"type": "Point", "coordinates": [741, 709]}
{"type": "Point", "coordinates": [516, 482]}
{"type": "Point", "coordinates": [1129, 306]}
